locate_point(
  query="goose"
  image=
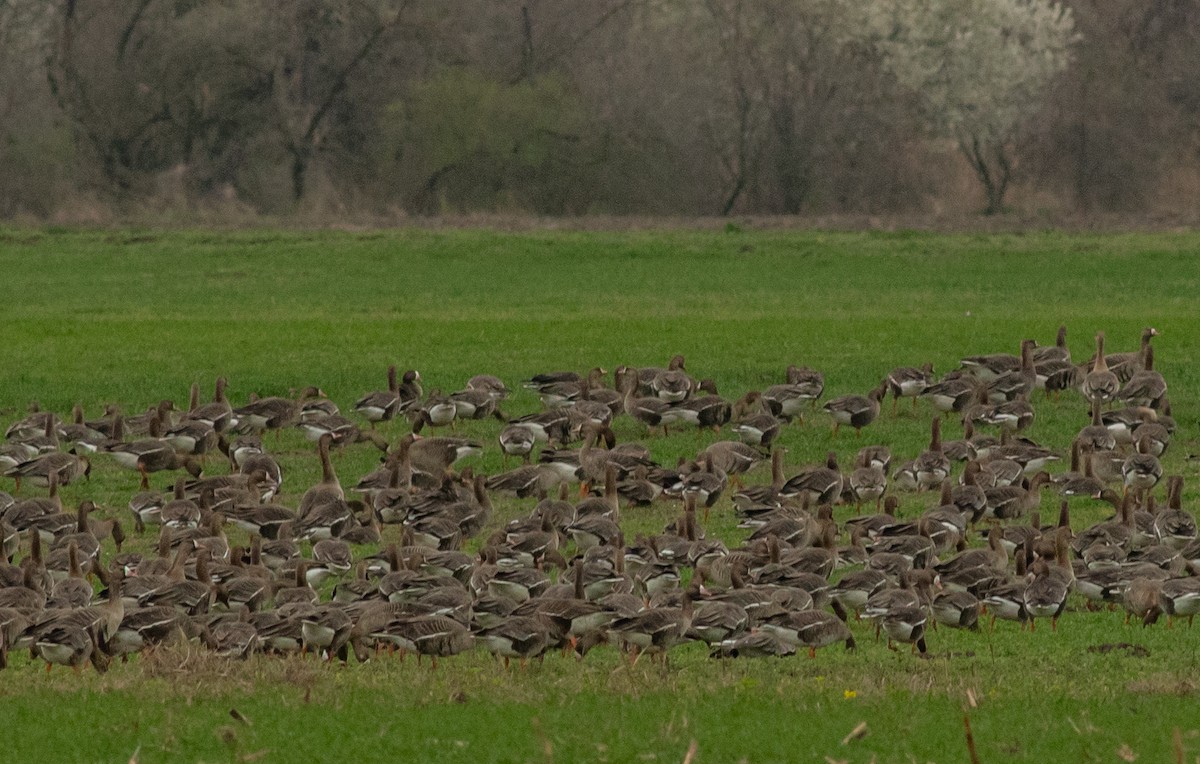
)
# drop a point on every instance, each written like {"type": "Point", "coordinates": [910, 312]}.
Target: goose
{"type": "Point", "coordinates": [565, 393]}
{"type": "Point", "coordinates": [952, 393]}
{"type": "Point", "coordinates": [811, 629]}
{"type": "Point", "coordinates": [219, 413]}
{"type": "Point", "coordinates": [1141, 471]}
{"type": "Point", "coordinates": [756, 644]}
{"type": "Point", "coordinates": [520, 636]}
{"type": "Point", "coordinates": [492, 385]}
{"type": "Point", "coordinates": [1046, 595]}
{"type": "Point", "coordinates": [650, 411]}
{"type": "Point", "coordinates": [867, 483]}
{"type": "Point", "coordinates": [809, 382]}
{"type": "Point", "coordinates": [61, 467]}
{"type": "Point", "coordinates": [1180, 597]}
{"type": "Point", "coordinates": [1142, 598]}
{"type": "Point", "coordinates": [673, 384]}
{"type": "Point", "coordinates": [932, 466]}
{"type": "Point", "coordinates": [1146, 387]}
{"type": "Point", "coordinates": [855, 411]}
{"type": "Point", "coordinates": [1100, 385]}
{"type": "Point", "coordinates": [988, 367]}
{"type": "Point", "coordinates": [475, 404]}
{"type": "Point", "coordinates": [958, 610]}
{"type": "Point", "coordinates": [1006, 502]}
{"type": "Point", "coordinates": [1096, 436]}
{"type": "Point", "coordinates": [822, 485]}
{"type": "Point", "coordinates": [655, 630]}
{"type": "Point", "coordinates": [764, 494]}
{"type": "Point", "coordinates": [433, 456]}
{"type": "Point", "coordinates": [275, 413]}
{"type": "Point", "coordinates": [1015, 384]}
{"type": "Point", "coordinates": [1079, 483]}
{"type": "Point", "coordinates": [382, 405]}
{"type": "Point", "coordinates": [153, 455]}
{"type": "Point", "coordinates": [906, 624]}
{"type": "Point", "coordinates": [757, 429]}
{"type": "Point", "coordinates": [1174, 526]}
{"type": "Point", "coordinates": [704, 411]}
{"type": "Point", "coordinates": [732, 458]}
{"type": "Point", "coordinates": [1151, 438]}
{"type": "Point", "coordinates": [788, 401]}
{"type": "Point", "coordinates": [909, 382]}
{"type": "Point", "coordinates": [1056, 352]}
{"type": "Point", "coordinates": [1125, 365]}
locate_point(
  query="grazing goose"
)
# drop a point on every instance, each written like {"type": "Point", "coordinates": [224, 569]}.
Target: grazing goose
{"type": "Point", "coordinates": [650, 411]}
{"type": "Point", "coordinates": [958, 610]}
{"type": "Point", "coordinates": [655, 630]}
{"type": "Point", "coordinates": [1100, 385]}
{"type": "Point", "coordinates": [988, 367]}
{"type": "Point", "coordinates": [811, 629]}
{"type": "Point", "coordinates": [867, 483]}
{"type": "Point", "coordinates": [493, 386]}
{"type": "Point", "coordinates": [273, 413]}
{"type": "Point", "coordinates": [704, 411]}
{"type": "Point", "coordinates": [60, 467]}
{"type": "Point", "coordinates": [565, 393]}
{"type": "Point", "coordinates": [1180, 597]}
{"type": "Point", "coordinates": [383, 405]}
{"type": "Point", "coordinates": [953, 392]}
{"type": "Point", "coordinates": [788, 401]}
{"type": "Point", "coordinates": [906, 624]}
{"type": "Point", "coordinates": [822, 485]}
{"type": "Point", "coordinates": [476, 404]}
{"type": "Point", "coordinates": [153, 455]}
{"type": "Point", "coordinates": [909, 382]}
{"type": "Point", "coordinates": [855, 411]}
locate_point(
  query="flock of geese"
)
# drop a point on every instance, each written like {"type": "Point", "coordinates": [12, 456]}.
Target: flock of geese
{"type": "Point", "coordinates": [378, 566]}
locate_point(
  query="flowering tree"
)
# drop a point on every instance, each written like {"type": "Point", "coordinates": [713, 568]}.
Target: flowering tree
{"type": "Point", "coordinates": [975, 67]}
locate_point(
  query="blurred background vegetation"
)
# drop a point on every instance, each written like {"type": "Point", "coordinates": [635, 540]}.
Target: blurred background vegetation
{"type": "Point", "coordinates": [397, 108]}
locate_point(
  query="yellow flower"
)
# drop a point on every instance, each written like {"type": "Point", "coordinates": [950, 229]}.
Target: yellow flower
{"type": "Point", "coordinates": [848, 694]}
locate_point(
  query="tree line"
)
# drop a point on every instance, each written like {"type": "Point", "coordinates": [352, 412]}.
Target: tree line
{"type": "Point", "coordinates": [567, 107]}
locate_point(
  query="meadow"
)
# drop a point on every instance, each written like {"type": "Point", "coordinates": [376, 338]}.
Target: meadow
{"type": "Point", "coordinates": [134, 316]}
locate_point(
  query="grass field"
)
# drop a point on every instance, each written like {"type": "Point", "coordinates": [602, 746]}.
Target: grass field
{"type": "Point", "coordinates": [133, 316]}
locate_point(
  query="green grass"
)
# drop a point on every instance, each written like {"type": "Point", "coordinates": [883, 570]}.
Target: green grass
{"type": "Point", "coordinates": [134, 316]}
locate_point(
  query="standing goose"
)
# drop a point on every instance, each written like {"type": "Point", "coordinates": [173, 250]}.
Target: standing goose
{"type": "Point", "coordinates": [1056, 352]}
{"type": "Point", "coordinates": [219, 413]}
{"type": "Point", "coordinates": [1015, 384]}
{"type": "Point", "coordinates": [1046, 595]}
{"type": "Point", "coordinates": [856, 411]}
{"type": "Point", "coordinates": [1174, 526]}
{"type": "Point", "coordinates": [932, 466]}
{"type": "Point", "coordinates": [1142, 470]}
{"type": "Point", "coordinates": [1146, 387]}
{"type": "Point", "coordinates": [673, 383]}
{"type": "Point", "coordinates": [1125, 365]}
{"type": "Point", "coordinates": [1100, 385]}
{"type": "Point", "coordinates": [650, 411]}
